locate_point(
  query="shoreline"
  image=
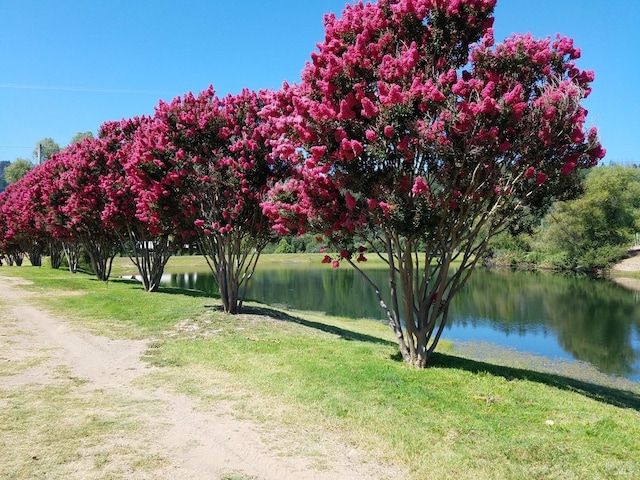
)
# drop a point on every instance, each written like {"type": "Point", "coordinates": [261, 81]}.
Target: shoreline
{"type": "Point", "coordinates": [631, 264]}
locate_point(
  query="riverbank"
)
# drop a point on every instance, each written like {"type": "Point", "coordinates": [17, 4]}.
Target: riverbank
{"type": "Point", "coordinates": [271, 394]}
{"type": "Point", "coordinates": [627, 272]}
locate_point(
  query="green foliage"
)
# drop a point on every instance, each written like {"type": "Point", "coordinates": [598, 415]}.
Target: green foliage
{"type": "Point", "coordinates": [506, 241]}
{"type": "Point", "coordinates": [283, 247]}
{"type": "Point", "coordinates": [600, 257]}
{"type": "Point", "coordinates": [16, 170]}
{"type": "Point", "coordinates": [48, 147]}
{"type": "Point", "coordinates": [588, 233]}
{"type": "Point", "coordinates": [78, 137]}
{"type": "Point", "coordinates": [306, 243]}
{"type": "Point", "coordinates": [593, 227]}
{"type": "Point", "coordinates": [3, 165]}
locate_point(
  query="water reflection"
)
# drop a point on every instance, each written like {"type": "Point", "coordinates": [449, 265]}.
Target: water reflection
{"type": "Point", "coordinates": [593, 321]}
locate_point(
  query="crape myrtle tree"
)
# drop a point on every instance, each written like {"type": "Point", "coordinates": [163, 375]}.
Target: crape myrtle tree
{"type": "Point", "coordinates": [142, 208]}
{"type": "Point", "coordinates": [62, 239]}
{"type": "Point", "coordinates": [32, 217]}
{"type": "Point", "coordinates": [79, 201]}
{"type": "Point", "coordinates": [10, 244]}
{"type": "Point", "coordinates": [23, 220]}
{"type": "Point", "coordinates": [213, 156]}
{"type": "Point", "coordinates": [38, 185]}
{"type": "Point", "coordinates": [416, 137]}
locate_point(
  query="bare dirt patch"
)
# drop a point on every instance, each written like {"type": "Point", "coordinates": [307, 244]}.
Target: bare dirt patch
{"type": "Point", "coordinates": [628, 265]}
{"type": "Point", "coordinates": [96, 417]}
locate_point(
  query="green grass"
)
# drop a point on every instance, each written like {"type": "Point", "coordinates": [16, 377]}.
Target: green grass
{"type": "Point", "coordinates": [118, 307]}
{"type": "Point", "coordinates": [459, 418]}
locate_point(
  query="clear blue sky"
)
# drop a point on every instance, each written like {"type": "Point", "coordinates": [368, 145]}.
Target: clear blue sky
{"type": "Point", "coordinates": [66, 66]}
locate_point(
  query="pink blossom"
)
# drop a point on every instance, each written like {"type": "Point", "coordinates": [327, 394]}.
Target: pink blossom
{"type": "Point", "coordinates": [388, 131]}
{"type": "Point", "coordinates": [403, 146]}
{"type": "Point", "coordinates": [514, 96]}
{"type": "Point", "coordinates": [335, 264]}
{"type": "Point", "coordinates": [350, 201]}
{"type": "Point", "coordinates": [530, 172]}
{"type": "Point", "coordinates": [541, 178]}
{"type": "Point", "coordinates": [369, 110]}
{"type": "Point", "coordinates": [549, 113]}
{"type": "Point", "coordinates": [326, 259]}
{"type": "Point", "coordinates": [419, 186]}
{"type": "Point", "coordinates": [577, 135]}
{"type": "Point", "coordinates": [567, 168]}
{"type": "Point", "coordinates": [597, 153]}
{"type": "Point", "coordinates": [385, 208]}
{"type": "Point", "coordinates": [346, 108]}
{"type": "Point", "coordinates": [504, 146]}
{"type": "Point", "coordinates": [318, 151]}
{"type": "Point", "coordinates": [518, 110]}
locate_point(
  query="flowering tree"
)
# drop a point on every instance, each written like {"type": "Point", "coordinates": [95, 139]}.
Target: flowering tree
{"type": "Point", "coordinates": [214, 156]}
{"type": "Point", "coordinates": [23, 219]}
{"type": "Point", "coordinates": [418, 138]}
{"type": "Point", "coordinates": [10, 247]}
{"type": "Point", "coordinates": [62, 239]}
{"type": "Point", "coordinates": [77, 201]}
{"type": "Point", "coordinates": [141, 209]}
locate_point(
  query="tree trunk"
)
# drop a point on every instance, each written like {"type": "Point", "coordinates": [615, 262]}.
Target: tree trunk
{"type": "Point", "coordinates": [149, 256]}
{"type": "Point", "coordinates": [35, 255]}
{"type": "Point", "coordinates": [72, 254]}
{"type": "Point", "coordinates": [16, 258]}
{"type": "Point", "coordinates": [55, 254]}
{"type": "Point", "coordinates": [232, 259]}
{"type": "Point", "coordinates": [102, 251]}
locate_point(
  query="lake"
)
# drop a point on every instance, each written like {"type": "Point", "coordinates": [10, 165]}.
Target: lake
{"type": "Point", "coordinates": [565, 316]}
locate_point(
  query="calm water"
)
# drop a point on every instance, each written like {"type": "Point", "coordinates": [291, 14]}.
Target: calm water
{"type": "Point", "coordinates": [553, 315]}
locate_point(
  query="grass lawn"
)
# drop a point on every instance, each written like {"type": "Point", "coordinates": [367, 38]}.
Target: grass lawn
{"type": "Point", "coordinates": [459, 418]}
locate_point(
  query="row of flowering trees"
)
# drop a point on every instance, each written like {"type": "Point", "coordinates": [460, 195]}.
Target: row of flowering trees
{"type": "Point", "coordinates": [195, 171]}
{"type": "Point", "coordinates": [411, 135]}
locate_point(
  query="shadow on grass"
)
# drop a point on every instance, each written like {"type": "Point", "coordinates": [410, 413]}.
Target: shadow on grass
{"type": "Point", "coordinates": [189, 293]}
{"type": "Point", "coordinates": [612, 396]}
{"type": "Point", "coordinates": [271, 313]}
{"type": "Point", "coordinates": [343, 333]}
{"type": "Point", "coordinates": [168, 290]}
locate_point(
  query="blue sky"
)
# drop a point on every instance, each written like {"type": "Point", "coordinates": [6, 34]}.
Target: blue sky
{"type": "Point", "coordinates": [67, 66]}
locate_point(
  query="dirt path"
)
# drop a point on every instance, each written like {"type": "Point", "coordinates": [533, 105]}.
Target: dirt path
{"type": "Point", "coordinates": [193, 444]}
{"type": "Point", "coordinates": [631, 264]}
